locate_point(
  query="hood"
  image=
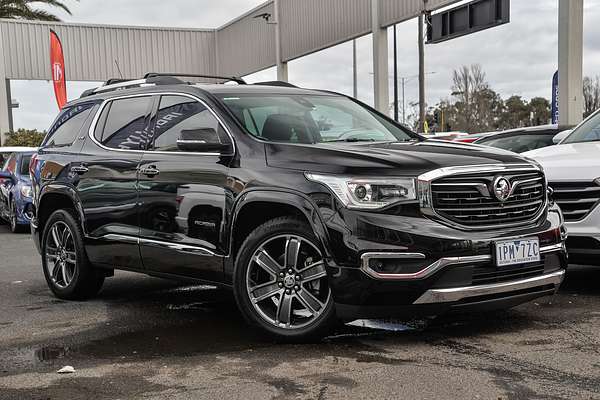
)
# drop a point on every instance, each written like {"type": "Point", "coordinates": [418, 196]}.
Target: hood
{"type": "Point", "coordinates": [569, 162]}
{"type": "Point", "coordinates": [393, 158]}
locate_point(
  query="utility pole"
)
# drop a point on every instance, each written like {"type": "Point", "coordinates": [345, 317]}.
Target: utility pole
{"type": "Point", "coordinates": [421, 73]}
{"type": "Point", "coordinates": [403, 101]}
{"type": "Point", "coordinates": [396, 76]}
{"type": "Point", "coordinates": [354, 71]}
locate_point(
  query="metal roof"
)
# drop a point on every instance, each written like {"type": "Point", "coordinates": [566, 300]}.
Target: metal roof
{"type": "Point", "coordinates": [240, 47]}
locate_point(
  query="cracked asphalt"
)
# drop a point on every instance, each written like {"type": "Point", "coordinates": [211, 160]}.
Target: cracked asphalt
{"type": "Point", "coordinates": [146, 338]}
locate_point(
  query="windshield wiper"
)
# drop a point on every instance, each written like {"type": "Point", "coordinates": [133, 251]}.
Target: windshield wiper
{"type": "Point", "coordinates": [350, 140]}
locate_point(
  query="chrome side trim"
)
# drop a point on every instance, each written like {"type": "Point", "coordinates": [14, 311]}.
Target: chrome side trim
{"type": "Point", "coordinates": [436, 266]}
{"type": "Point", "coordinates": [456, 294]}
{"type": "Point", "coordinates": [106, 101]}
{"type": "Point", "coordinates": [201, 251]}
{"type": "Point", "coordinates": [425, 196]}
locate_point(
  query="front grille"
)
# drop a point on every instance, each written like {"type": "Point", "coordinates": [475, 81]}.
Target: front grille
{"type": "Point", "coordinates": [576, 199]}
{"type": "Point", "coordinates": [468, 200]}
{"type": "Point", "coordinates": [484, 275]}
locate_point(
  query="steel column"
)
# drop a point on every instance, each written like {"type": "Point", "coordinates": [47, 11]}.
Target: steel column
{"type": "Point", "coordinates": [570, 62]}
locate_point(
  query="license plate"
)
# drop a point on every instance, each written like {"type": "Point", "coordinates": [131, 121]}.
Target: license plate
{"type": "Point", "coordinates": [518, 251]}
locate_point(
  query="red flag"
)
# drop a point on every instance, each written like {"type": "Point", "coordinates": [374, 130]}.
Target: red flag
{"type": "Point", "coordinates": [57, 61]}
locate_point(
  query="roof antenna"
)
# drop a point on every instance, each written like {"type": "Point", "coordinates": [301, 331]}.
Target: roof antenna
{"type": "Point", "coordinates": [118, 69]}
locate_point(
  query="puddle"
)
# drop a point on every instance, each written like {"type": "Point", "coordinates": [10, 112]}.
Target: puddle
{"type": "Point", "coordinates": [191, 289]}
{"type": "Point", "coordinates": [382, 324]}
{"type": "Point", "coordinates": [198, 306]}
{"type": "Point", "coordinates": [51, 353]}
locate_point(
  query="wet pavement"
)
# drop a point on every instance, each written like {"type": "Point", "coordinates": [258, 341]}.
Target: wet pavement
{"type": "Point", "coordinates": [146, 338]}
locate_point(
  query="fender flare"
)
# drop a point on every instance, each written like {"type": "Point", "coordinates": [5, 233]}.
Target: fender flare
{"type": "Point", "coordinates": [65, 190]}
{"type": "Point", "coordinates": [304, 204]}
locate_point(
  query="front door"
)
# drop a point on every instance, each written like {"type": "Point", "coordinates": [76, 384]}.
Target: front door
{"type": "Point", "coordinates": [183, 193]}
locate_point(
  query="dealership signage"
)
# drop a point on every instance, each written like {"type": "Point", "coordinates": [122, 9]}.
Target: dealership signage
{"type": "Point", "coordinates": [555, 98]}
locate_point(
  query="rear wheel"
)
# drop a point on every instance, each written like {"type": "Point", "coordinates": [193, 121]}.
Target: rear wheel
{"type": "Point", "coordinates": [68, 272]}
{"type": "Point", "coordinates": [281, 281]}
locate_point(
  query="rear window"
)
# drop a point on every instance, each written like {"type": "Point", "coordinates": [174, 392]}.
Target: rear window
{"type": "Point", "coordinates": [123, 123]}
{"type": "Point", "coordinates": [68, 125]}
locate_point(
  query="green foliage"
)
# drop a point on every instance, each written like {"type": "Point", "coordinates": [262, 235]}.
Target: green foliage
{"type": "Point", "coordinates": [22, 9]}
{"type": "Point", "coordinates": [25, 137]}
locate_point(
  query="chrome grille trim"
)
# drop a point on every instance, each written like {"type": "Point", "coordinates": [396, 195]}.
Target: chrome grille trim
{"type": "Point", "coordinates": [576, 199]}
{"type": "Point", "coordinates": [527, 203]}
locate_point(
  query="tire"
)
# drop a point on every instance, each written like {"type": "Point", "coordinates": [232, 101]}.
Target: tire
{"type": "Point", "coordinates": [296, 306]}
{"type": "Point", "coordinates": [12, 219]}
{"type": "Point", "coordinates": [68, 272]}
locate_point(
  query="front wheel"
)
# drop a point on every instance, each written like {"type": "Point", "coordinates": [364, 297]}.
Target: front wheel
{"type": "Point", "coordinates": [68, 272]}
{"type": "Point", "coordinates": [281, 283]}
{"type": "Point", "coordinates": [13, 221]}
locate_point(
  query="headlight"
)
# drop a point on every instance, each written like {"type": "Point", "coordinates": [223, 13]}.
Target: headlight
{"type": "Point", "coordinates": [26, 191]}
{"type": "Point", "coordinates": [367, 193]}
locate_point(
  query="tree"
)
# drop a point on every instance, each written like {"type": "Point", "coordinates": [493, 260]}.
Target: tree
{"type": "Point", "coordinates": [591, 95]}
{"type": "Point", "coordinates": [23, 9]}
{"type": "Point", "coordinates": [516, 113]}
{"type": "Point", "coordinates": [25, 137]}
{"type": "Point", "coordinates": [540, 107]}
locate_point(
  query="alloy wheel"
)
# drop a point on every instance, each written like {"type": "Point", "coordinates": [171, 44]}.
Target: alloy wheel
{"type": "Point", "coordinates": [61, 256]}
{"type": "Point", "coordinates": [286, 282]}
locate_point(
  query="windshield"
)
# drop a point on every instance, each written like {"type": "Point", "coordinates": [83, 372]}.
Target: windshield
{"type": "Point", "coordinates": [311, 119]}
{"type": "Point", "coordinates": [519, 143]}
{"type": "Point", "coordinates": [588, 131]}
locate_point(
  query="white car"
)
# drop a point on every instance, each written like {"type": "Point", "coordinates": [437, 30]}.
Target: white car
{"type": "Point", "coordinates": [573, 170]}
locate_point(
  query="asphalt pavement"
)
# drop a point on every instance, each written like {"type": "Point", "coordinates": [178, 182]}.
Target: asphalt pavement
{"type": "Point", "coordinates": [146, 338]}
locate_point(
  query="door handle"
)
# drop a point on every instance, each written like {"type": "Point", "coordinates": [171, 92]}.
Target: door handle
{"type": "Point", "coordinates": [79, 169]}
{"type": "Point", "coordinates": [150, 171]}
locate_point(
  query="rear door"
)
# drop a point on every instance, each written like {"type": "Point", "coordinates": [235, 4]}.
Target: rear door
{"type": "Point", "coordinates": [183, 194]}
{"type": "Point", "coordinates": [108, 179]}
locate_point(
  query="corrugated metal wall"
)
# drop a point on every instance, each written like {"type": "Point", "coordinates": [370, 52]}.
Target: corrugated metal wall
{"type": "Point", "coordinates": [91, 51]}
{"type": "Point", "coordinates": [241, 47]}
{"type": "Point", "coordinates": [312, 25]}
{"type": "Point", "coordinates": [247, 44]}
{"type": "Point", "coordinates": [395, 11]}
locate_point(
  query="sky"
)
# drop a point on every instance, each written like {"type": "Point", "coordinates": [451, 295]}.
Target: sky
{"type": "Point", "coordinates": [519, 58]}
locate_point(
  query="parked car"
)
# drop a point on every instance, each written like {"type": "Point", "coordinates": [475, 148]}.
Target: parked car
{"type": "Point", "coordinates": [472, 137]}
{"type": "Point", "coordinates": [521, 140]}
{"type": "Point", "coordinates": [573, 172]}
{"type": "Point", "coordinates": [235, 185]}
{"type": "Point", "coordinates": [16, 206]}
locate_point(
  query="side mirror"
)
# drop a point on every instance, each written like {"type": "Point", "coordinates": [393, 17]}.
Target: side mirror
{"type": "Point", "coordinates": [5, 177]}
{"type": "Point", "coordinates": [201, 141]}
{"type": "Point", "coordinates": [559, 137]}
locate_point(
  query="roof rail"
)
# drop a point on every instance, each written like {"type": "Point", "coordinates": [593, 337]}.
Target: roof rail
{"type": "Point", "coordinates": [275, 83]}
{"type": "Point", "coordinates": [117, 84]}
{"type": "Point", "coordinates": [182, 75]}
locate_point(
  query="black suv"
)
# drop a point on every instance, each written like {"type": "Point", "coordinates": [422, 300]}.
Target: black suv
{"type": "Point", "coordinates": [310, 205]}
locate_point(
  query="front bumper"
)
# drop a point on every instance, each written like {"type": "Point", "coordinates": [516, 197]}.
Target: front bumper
{"type": "Point", "coordinates": [584, 239]}
{"type": "Point", "coordinates": [456, 268]}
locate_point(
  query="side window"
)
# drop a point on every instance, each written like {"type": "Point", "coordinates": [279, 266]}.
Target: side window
{"type": "Point", "coordinates": [183, 118]}
{"type": "Point", "coordinates": [68, 125]}
{"type": "Point", "coordinates": [123, 123]}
